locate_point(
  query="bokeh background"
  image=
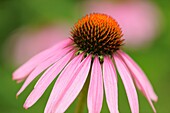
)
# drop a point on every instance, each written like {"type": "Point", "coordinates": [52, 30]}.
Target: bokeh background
{"type": "Point", "coordinates": [29, 26]}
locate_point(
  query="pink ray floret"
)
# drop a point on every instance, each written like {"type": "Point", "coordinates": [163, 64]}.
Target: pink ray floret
{"type": "Point", "coordinates": [110, 84]}
{"type": "Point", "coordinates": [139, 76]}
{"type": "Point", "coordinates": [128, 83]}
{"type": "Point", "coordinates": [95, 92]}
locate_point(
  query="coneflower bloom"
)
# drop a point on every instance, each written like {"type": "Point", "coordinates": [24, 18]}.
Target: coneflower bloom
{"type": "Point", "coordinates": [93, 51]}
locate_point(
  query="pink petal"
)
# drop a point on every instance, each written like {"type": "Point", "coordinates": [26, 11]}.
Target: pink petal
{"type": "Point", "coordinates": [128, 84]}
{"type": "Point", "coordinates": [110, 84]}
{"type": "Point", "coordinates": [74, 86]}
{"type": "Point", "coordinates": [46, 79]}
{"type": "Point", "coordinates": [138, 78]}
{"type": "Point", "coordinates": [61, 85]}
{"type": "Point", "coordinates": [140, 74]}
{"type": "Point", "coordinates": [42, 66]}
{"type": "Point", "coordinates": [95, 92]}
{"type": "Point", "coordinates": [26, 68]}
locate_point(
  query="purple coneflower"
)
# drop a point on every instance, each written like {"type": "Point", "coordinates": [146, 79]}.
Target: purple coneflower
{"type": "Point", "coordinates": [92, 51]}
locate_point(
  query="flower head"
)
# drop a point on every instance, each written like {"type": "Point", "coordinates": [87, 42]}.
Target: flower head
{"type": "Point", "coordinates": [93, 50]}
{"type": "Point", "coordinates": [97, 34]}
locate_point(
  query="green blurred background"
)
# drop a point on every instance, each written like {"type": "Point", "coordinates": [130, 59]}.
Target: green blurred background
{"type": "Point", "coordinates": [17, 13]}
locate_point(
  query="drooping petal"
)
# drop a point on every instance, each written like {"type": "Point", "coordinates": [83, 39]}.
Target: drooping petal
{"type": "Point", "coordinates": [41, 67]}
{"type": "Point", "coordinates": [73, 88]}
{"type": "Point", "coordinates": [95, 92]}
{"type": "Point", "coordinates": [141, 74]}
{"type": "Point", "coordinates": [128, 83]}
{"type": "Point", "coordinates": [46, 79]}
{"type": "Point", "coordinates": [62, 83]}
{"type": "Point", "coordinates": [138, 78]}
{"type": "Point", "coordinates": [26, 68]}
{"type": "Point", "coordinates": [110, 84]}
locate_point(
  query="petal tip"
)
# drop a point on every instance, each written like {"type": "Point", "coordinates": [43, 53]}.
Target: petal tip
{"type": "Point", "coordinates": [25, 106]}
{"type": "Point", "coordinates": [155, 99]}
{"type": "Point", "coordinates": [14, 76]}
{"type": "Point", "coordinates": [18, 93]}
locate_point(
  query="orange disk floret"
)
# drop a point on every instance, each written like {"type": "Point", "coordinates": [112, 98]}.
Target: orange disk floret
{"type": "Point", "coordinates": [97, 34]}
